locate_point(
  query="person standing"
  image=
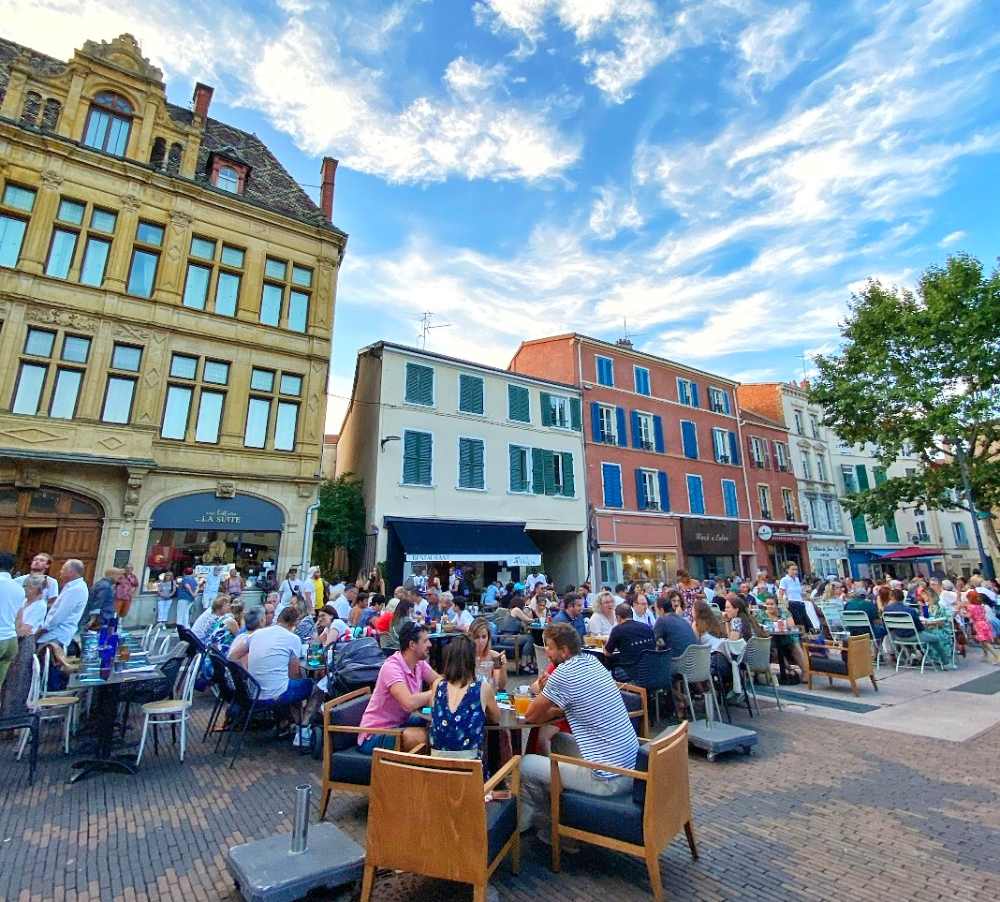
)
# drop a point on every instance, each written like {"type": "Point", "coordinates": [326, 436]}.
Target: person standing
{"type": "Point", "coordinates": [63, 619]}
{"type": "Point", "coordinates": [166, 590]}
{"type": "Point", "coordinates": [11, 601]}
{"type": "Point", "coordinates": [790, 587]}
{"type": "Point", "coordinates": [125, 589]}
{"type": "Point", "coordinates": [101, 603]}
{"type": "Point", "coordinates": [290, 586]}
{"type": "Point", "coordinates": [40, 564]}
{"type": "Point", "coordinates": [187, 590]}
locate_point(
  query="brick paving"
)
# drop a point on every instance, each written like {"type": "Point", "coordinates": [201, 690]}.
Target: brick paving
{"type": "Point", "coordinates": [823, 810]}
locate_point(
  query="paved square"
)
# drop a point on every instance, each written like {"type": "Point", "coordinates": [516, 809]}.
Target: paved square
{"type": "Point", "coordinates": [825, 809]}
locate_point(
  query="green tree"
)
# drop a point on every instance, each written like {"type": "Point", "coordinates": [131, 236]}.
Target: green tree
{"type": "Point", "coordinates": [923, 371]}
{"type": "Point", "coordinates": [340, 522]}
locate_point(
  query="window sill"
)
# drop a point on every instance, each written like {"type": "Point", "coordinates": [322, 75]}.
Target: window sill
{"type": "Point", "coordinates": [471, 413]}
{"type": "Point", "coordinates": [418, 485]}
{"type": "Point", "coordinates": [469, 488]}
{"type": "Point", "coordinates": [418, 404]}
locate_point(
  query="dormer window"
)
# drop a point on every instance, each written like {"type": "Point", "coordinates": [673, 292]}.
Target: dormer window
{"type": "Point", "coordinates": [228, 174]}
{"type": "Point", "coordinates": [109, 124]}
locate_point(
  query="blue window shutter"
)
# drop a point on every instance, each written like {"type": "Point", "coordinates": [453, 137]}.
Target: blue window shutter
{"type": "Point", "coordinates": [694, 395]}
{"type": "Point", "coordinates": [640, 491]}
{"type": "Point", "coordinates": [689, 435]}
{"type": "Point", "coordinates": [725, 402]}
{"type": "Point", "coordinates": [470, 394]}
{"type": "Point", "coordinates": [658, 433]}
{"type": "Point", "coordinates": [622, 437]}
{"type": "Point", "coordinates": [734, 449]}
{"type": "Point", "coordinates": [518, 478]}
{"type": "Point", "coordinates": [682, 391]}
{"type": "Point", "coordinates": [546, 408]}
{"type": "Point", "coordinates": [664, 491]}
{"type": "Point", "coordinates": [518, 407]}
{"type": "Point", "coordinates": [696, 498]}
{"type": "Point", "coordinates": [729, 496]}
{"type": "Point", "coordinates": [636, 433]}
{"type": "Point", "coordinates": [612, 485]}
{"type": "Point", "coordinates": [595, 422]}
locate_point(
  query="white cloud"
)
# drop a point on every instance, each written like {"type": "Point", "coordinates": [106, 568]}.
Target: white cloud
{"type": "Point", "coordinates": [952, 238]}
{"type": "Point", "coordinates": [613, 212]}
{"type": "Point", "coordinates": [467, 78]}
{"type": "Point", "coordinates": [764, 44]}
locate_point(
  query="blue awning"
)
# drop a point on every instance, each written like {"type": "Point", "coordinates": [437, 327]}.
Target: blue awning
{"type": "Point", "coordinates": [465, 540]}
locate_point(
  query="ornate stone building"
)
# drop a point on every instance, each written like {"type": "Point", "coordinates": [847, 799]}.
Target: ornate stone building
{"type": "Point", "coordinates": [166, 311]}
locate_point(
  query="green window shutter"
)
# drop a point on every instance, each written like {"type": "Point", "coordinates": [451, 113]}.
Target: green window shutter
{"type": "Point", "coordinates": [546, 406]}
{"type": "Point", "coordinates": [417, 458]}
{"type": "Point", "coordinates": [862, 471]}
{"type": "Point", "coordinates": [549, 472]}
{"type": "Point", "coordinates": [470, 463]}
{"type": "Point", "coordinates": [518, 407]}
{"type": "Point", "coordinates": [419, 384]}
{"type": "Point", "coordinates": [538, 471]}
{"type": "Point", "coordinates": [891, 532]}
{"type": "Point", "coordinates": [569, 484]}
{"type": "Point", "coordinates": [575, 419]}
{"type": "Point", "coordinates": [470, 394]}
{"type": "Point", "coordinates": [518, 478]}
{"type": "Point", "coordinates": [858, 522]}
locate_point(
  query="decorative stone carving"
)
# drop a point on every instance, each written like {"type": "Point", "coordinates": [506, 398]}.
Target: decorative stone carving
{"type": "Point", "coordinates": [26, 476]}
{"type": "Point", "coordinates": [53, 316]}
{"type": "Point", "coordinates": [133, 489]}
{"type": "Point", "coordinates": [51, 180]}
{"type": "Point", "coordinates": [31, 435]}
{"type": "Point", "coordinates": [180, 220]}
{"type": "Point", "coordinates": [225, 488]}
{"type": "Point", "coordinates": [124, 330]}
{"type": "Point", "coordinates": [124, 53]}
{"type": "Point", "coordinates": [306, 489]}
{"type": "Point", "coordinates": [130, 202]}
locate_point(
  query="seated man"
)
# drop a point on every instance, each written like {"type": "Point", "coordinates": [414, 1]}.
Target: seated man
{"type": "Point", "coordinates": [253, 620]}
{"type": "Point", "coordinates": [572, 614]}
{"type": "Point", "coordinates": [860, 602]}
{"type": "Point", "coordinates": [673, 631]}
{"type": "Point", "coordinates": [583, 691]}
{"type": "Point", "coordinates": [273, 661]}
{"type": "Point", "coordinates": [937, 641]}
{"type": "Point", "coordinates": [627, 641]}
{"type": "Point", "coordinates": [464, 619]}
{"type": "Point", "coordinates": [449, 613]}
{"type": "Point", "coordinates": [400, 692]}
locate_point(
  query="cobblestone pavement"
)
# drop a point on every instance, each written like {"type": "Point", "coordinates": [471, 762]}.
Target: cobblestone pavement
{"type": "Point", "coordinates": [823, 810]}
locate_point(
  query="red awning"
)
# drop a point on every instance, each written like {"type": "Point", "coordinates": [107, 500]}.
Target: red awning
{"type": "Point", "coordinates": [905, 554]}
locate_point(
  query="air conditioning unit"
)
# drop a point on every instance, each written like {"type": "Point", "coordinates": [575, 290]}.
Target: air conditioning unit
{"type": "Point", "coordinates": [914, 538]}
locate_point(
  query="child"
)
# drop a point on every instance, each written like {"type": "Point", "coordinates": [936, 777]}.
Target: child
{"type": "Point", "coordinates": [981, 626]}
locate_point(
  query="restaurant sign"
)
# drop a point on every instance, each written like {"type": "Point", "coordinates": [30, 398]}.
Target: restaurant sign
{"type": "Point", "coordinates": [703, 536]}
{"type": "Point", "coordinates": [204, 510]}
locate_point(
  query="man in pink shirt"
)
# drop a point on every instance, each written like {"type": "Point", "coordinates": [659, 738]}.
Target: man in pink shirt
{"type": "Point", "coordinates": [400, 693]}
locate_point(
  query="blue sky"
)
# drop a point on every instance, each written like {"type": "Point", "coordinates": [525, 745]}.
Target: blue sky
{"type": "Point", "coordinates": [722, 173]}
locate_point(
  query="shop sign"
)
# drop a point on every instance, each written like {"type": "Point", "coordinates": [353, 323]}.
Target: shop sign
{"type": "Point", "coordinates": [701, 536]}
{"type": "Point", "coordinates": [764, 532]}
{"type": "Point", "coordinates": [516, 560]}
{"type": "Point", "coordinates": [203, 510]}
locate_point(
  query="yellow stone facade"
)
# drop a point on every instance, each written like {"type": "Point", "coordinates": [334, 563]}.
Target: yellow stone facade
{"type": "Point", "coordinates": [129, 468]}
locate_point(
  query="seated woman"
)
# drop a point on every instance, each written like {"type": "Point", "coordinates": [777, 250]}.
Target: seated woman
{"type": "Point", "coordinates": [329, 627]}
{"type": "Point", "coordinates": [786, 647]}
{"type": "Point", "coordinates": [602, 621]}
{"type": "Point", "coordinates": [490, 664]}
{"type": "Point", "coordinates": [400, 616]}
{"type": "Point", "coordinates": [226, 628]}
{"type": "Point", "coordinates": [711, 632]}
{"type": "Point", "coordinates": [740, 621]}
{"type": "Point", "coordinates": [461, 705]}
{"type": "Point", "coordinates": [513, 624]}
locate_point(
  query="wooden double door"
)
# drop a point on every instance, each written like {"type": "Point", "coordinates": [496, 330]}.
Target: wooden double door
{"type": "Point", "coordinates": [61, 523]}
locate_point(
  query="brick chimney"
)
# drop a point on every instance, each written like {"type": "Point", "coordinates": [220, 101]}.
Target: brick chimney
{"type": "Point", "coordinates": [202, 99]}
{"type": "Point", "coordinates": [329, 175]}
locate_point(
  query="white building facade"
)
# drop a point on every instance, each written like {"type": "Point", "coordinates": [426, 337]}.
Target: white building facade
{"type": "Point", "coordinates": [466, 465]}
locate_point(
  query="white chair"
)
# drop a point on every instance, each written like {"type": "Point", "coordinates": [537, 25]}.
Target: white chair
{"type": "Point", "coordinates": [859, 620]}
{"type": "Point", "coordinates": [905, 640]}
{"type": "Point", "coordinates": [170, 711]}
{"type": "Point", "coordinates": [50, 707]}
{"type": "Point", "coordinates": [541, 659]}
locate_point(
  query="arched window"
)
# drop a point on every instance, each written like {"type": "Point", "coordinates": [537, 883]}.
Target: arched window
{"type": "Point", "coordinates": [108, 124]}
{"type": "Point", "coordinates": [174, 158]}
{"type": "Point", "coordinates": [32, 107]}
{"type": "Point", "coordinates": [228, 179]}
{"type": "Point", "coordinates": [50, 115]}
{"type": "Point", "coordinates": [159, 153]}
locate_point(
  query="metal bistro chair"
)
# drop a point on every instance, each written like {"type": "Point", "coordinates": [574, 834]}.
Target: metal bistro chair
{"type": "Point", "coordinates": [654, 673]}
{"type": "Point", "coordinates": [30, 722]}
{"type": "Point", "coordinates": [858, 620]}
{"type": "Point", "coordinates": [541, 659]}
{"type": "Point", "coordinates": [223, 689]}
{"type": "Point", "coordinates": [247, 705]}
{"type": "Point", "coordinates": [175, 710]}
{"type": "Point", "coordinates": [52, 707]}
{"type": "Point", "coordinates": [833, 612]}
{"type": "Point", "coordinates": [905, 639]}
{"type": "Point", "coordinates": [695, 666]}
{"type": "Point", "coordinates": [757, 661]}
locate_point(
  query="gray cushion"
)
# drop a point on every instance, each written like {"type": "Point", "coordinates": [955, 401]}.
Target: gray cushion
{"type": "Point", "coordinates": [501, 822]}
{"type": "Point", "coordinates": [827, 665]}
{"type": "Point", "coordinates": [615, 816]}
{"type": "Point", "coordinates": [351, 765]}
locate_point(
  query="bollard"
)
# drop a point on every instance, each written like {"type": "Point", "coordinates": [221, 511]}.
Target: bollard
{"type": "Point", "coordinates": [300, 823]}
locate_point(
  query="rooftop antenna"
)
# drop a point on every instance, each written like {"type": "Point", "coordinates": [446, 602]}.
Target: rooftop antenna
{"type": "Point", "coordinates": [425, 327]}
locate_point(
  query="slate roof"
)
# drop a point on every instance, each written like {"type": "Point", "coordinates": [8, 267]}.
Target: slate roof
{"type": "Point", "coordinates": [269, 184]}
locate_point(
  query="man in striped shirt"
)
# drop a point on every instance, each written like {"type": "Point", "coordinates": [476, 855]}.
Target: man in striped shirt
{"type": "Point", "coordinates": [581, 690]}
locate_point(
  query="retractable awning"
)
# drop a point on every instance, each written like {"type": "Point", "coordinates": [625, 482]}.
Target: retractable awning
{"type": "Point", "coordinates": [908, 554]}
{"type": "Point", "coordinates": [464, 540]}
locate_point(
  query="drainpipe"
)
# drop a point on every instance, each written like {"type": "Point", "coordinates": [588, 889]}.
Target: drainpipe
{"type": "Point", "coordinates": [745, 457]}
{"type": "Point", "coordinates": [307, 534]}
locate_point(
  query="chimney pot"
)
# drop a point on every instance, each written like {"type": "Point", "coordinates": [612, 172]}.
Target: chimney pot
{"type": "Point", "coordinates": [202, 99]}
{"type": "Point", "coordinates": [329, 175]}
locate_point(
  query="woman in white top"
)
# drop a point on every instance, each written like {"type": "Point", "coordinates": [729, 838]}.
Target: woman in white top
{"type": "Point", "coordinates": [710, 631]}
{"type": "Point", "coordinates": [602, 621]}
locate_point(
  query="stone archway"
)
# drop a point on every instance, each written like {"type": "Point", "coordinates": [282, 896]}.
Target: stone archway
{"type": "Point", "coordinates": [59, 522]}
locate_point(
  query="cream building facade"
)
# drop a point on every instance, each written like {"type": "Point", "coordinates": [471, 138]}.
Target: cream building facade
{"type": "Point", "coordinates": [167, 300]}
{"type": "Point", "coordinates": [466, 465]}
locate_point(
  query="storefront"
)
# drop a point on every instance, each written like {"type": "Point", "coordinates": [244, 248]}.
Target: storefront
{"type": "Point", "coordinates": [200, 528]}
{"type": "Point", "coordinates": [828, 558]}
{"type": "Point", "coordinates": [637, 566]}
{"type": "Point", "coordinates": [895, 563]}
{"type": "Point", "coordinates": [781, 548]}
{"type": "Point", "coordinates": [424, 549]}
{"type": "Point", "coordinates": [711, 547]}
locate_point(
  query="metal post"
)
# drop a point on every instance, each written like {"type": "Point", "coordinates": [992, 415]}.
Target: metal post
{"type": "Point", "coordinates": [300, 823]}
{"type": "Point", "coordinates": [985, 561]}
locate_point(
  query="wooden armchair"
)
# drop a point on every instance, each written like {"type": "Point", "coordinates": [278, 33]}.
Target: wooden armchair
{"type": "Point", "coordinates": [345, 767]}
{"type": "Point", "coordinates": [639, 823]}
{"type": "Point", "coordinates": [448, 797]}
{"type": "Point", "coordinates": [851, 661]}
{"type": "Point", "coordinates": [637, 705]}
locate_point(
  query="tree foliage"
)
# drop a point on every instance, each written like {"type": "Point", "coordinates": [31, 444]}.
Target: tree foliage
{"type": "Point", "coordinates": [921, 371]}
{"type": "Point", "coordinates": [340, 521]}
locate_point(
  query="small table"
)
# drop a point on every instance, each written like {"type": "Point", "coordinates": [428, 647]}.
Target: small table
{"type": "Point", "coordinates": [106, 702]}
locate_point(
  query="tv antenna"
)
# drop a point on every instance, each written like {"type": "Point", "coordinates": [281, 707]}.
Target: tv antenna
{"type": "Point", "coordinates": [426, 326]}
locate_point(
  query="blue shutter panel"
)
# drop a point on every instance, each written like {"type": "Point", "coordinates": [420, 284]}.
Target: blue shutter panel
{"type": "Point", "coordinates": [612, 485]}
{"type": "Point", "coordinates": [517, 476]}
{"type": "Point", "coordinates": [729, 496]}
{"type": "Point", "coordinates": [546, 408]}
{"type": "Point", "coordinates": [696, 498]}
{"type": "Point", "coordinates": [694, 395]}
{"type": "Point", "coordinates": [725, 402]}
{"type": "Point", "coordinates": [658, 433]}
{"type": "Point", "coordinates": [622, 437]}
{"type": "Point", "coordinates": [734, 449]}
{"type": "Point", "coordinates": [689, 435]}
{"type": "Point", "coordinates": [518, 407]}
{"type": "Point", "coordinates": [640, 491]}
{"type": "Point", "coordinates": [538, 471]}
{"type": "Point", "coordinates": [595, 422]}
{"type": "Point", "coordinates": [636, 432]}
{"type": "Point", "coordinates": [664, 491]}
